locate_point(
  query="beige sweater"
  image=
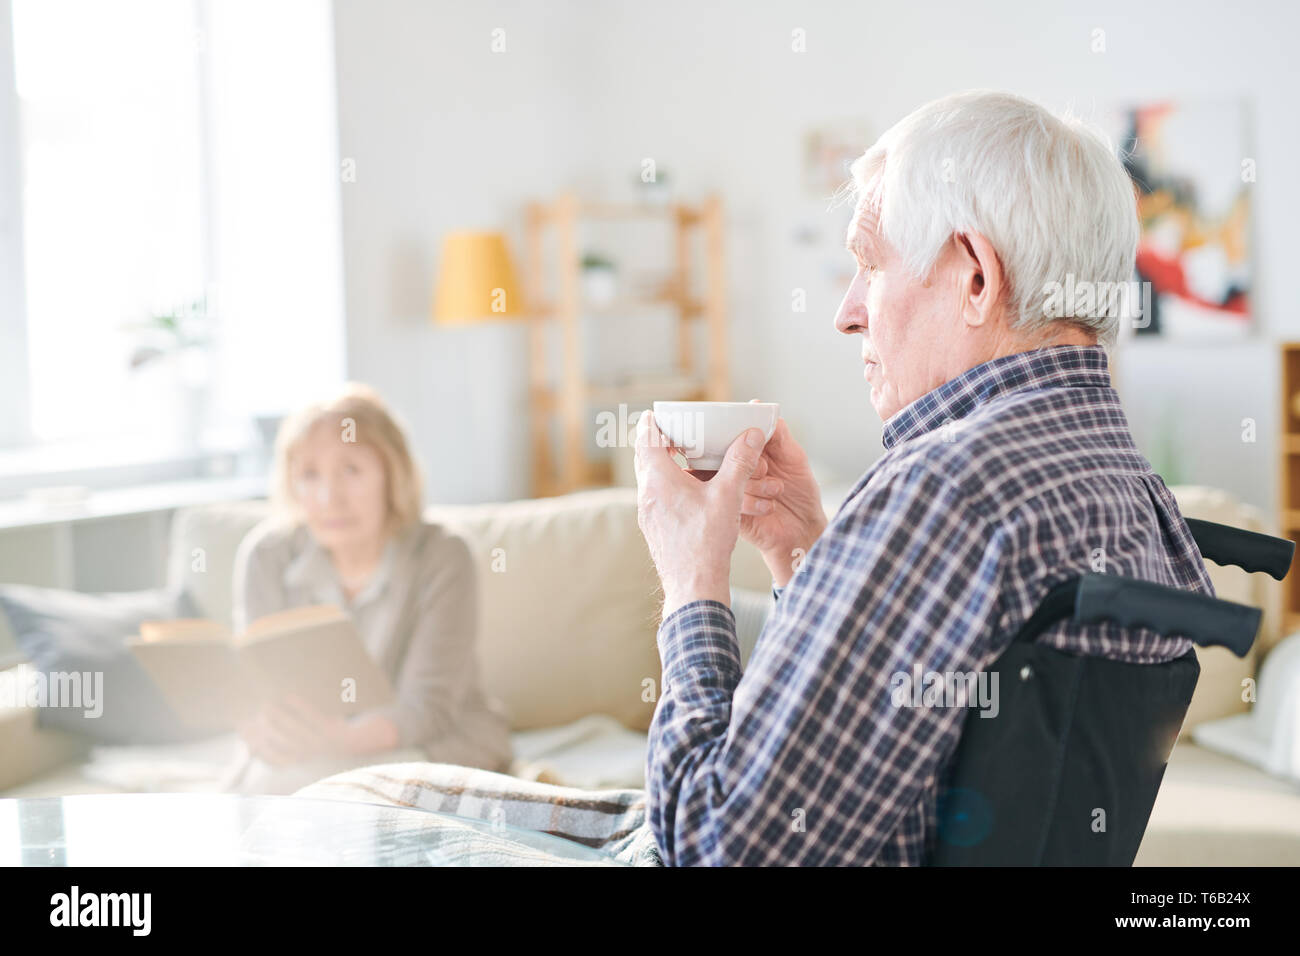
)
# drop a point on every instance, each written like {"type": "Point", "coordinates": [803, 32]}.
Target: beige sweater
{"type": "Point", "coordinates": [417, 617]}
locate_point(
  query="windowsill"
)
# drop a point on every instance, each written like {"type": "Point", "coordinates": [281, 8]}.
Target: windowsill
{"type": "Point", "coordinates": [119, 502]}
{"type": "Point", "coordinates": [34, 462]}
{"type": "Point", "coordinates": [57, 484]}
{"type": "Point", "coordinates": [76, 470]}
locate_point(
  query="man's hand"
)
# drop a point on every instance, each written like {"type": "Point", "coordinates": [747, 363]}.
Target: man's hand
{"type": "Point", "coordinates": [782, 514]}
{"type": "Point", "coordinates": [291, 731]}
{"type": "Point", "coordinates": [690, 524]}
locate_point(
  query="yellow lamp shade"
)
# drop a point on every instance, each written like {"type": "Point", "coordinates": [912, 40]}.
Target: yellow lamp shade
{"type": "Point", "coordinates": [476, 280]}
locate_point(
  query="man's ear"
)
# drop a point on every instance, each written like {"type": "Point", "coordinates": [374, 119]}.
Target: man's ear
{"type": "Point", "coordinates": [983, 281]}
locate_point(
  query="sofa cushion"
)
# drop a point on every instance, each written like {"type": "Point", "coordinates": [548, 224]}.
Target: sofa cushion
{"type": "Point", "coordinates": [201, 555]}
{"type": "Point", "coordinates": [71, 633]}
{"type": "Point", "coordinates": [27, 751]}
{"type": "Point", "coordinates": [595, 752]}
{"type": "Point", "coordinates": [1213, 810]}
{"type": "Point", "coordinates": [1219, 689]}
{"type": "Point", "coordinates": [569, 605]}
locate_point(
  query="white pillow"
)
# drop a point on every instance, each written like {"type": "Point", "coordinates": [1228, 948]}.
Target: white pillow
{"type": "Point", "coordinates": [1269, 735]}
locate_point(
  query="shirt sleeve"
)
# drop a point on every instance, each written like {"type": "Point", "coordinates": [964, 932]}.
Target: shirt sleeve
{"type": "Point", "coordinates": [257, 588]}
{"type": "Point", "coordinates": [440, 706]}
{"type": "Point", "coordinates": [806, 758]}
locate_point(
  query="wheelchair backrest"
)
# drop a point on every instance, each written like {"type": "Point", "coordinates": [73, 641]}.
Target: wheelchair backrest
{"type": "Point", "coordinates": [1067, 771]}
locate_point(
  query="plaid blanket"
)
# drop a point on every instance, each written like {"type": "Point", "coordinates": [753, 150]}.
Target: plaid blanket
{"type": "Point", "coordinates": [613, 821]}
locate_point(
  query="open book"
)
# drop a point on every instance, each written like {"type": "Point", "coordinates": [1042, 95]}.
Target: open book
{"type": "Point", "coordinates": [213, 679]}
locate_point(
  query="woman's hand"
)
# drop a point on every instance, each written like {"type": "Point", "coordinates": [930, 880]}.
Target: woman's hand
{"type": "Point", "coordinates": [782, 513]}
{"type": "Point", "coordinates": [290, 731]}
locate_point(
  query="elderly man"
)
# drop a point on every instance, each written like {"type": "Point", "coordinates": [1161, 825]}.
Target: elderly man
{"type": "Point", "coordinates": [1008, 467]}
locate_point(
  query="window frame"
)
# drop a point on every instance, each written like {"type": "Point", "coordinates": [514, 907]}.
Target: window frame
{"type": "Point", "coordinates": [21, 454]}
{"type": "Point", "coordinates": [15, 396]}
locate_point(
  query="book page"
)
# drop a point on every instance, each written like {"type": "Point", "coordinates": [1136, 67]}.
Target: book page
{"type": "Point", "coordinates": [323, 662]}
{"type": "Point", "coordinates": [183, 629]}
{"type": "Point", "coordinates": [291, 619]}
{"type": "Point", "coordinates": [204, 682]}
{"type": "Point", "coordinates": [212, 682]}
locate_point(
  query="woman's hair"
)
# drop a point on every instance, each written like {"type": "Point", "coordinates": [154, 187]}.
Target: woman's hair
{"type": "Point", "coordinates": [357, 414]}
{"type": "Point", "coordinates": [1049, 193]}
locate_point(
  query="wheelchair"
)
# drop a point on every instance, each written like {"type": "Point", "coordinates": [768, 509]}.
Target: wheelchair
{"type": "Point", "coordinates": [1068, 770]}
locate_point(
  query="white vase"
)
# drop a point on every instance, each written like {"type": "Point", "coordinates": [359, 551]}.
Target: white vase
{"type": "Point", "coordinates": [599, 285]}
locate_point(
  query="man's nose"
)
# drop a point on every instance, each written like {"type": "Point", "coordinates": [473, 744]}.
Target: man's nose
{"type": "Point", "coordinates": [852, 315]}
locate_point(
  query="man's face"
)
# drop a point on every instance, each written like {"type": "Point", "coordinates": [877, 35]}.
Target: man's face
{"type": "Point", "coordinates": [907, 326]}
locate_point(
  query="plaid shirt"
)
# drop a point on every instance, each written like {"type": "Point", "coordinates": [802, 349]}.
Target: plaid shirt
{"type": "Point", "coordinates": [995, 486]}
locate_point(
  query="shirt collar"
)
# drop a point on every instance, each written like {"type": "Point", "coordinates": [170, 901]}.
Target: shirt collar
{"type": "Point", "coordinates": [1058, 366]}
{"type": "Point", "coordinates": [313, 569]}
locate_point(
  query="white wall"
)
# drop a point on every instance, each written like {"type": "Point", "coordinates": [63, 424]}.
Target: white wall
{"type": "Point", "coordinates": [272, 145]}
{"type": "Point", "coordinates": [448, 135]}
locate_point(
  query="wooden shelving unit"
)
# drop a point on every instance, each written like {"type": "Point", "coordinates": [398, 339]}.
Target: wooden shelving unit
{"type": "Point", "coordinates": [568, 399]}
{"type": "Point", "coordinates": [1289, 485]}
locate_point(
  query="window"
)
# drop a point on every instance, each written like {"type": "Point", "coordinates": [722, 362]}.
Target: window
{"type": "Point", "coordinates": [113, 207]}
{"type": "Point", "coordinates": [174, 170]}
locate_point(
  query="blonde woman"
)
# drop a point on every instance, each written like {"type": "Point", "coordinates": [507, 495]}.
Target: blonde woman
{"type": "Point", "coordinates": [347, 530]}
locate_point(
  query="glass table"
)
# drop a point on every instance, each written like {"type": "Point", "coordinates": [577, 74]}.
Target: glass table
{"type": "Point", "coordinates": [199, 829]}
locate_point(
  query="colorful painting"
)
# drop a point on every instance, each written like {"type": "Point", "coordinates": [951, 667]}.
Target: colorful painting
{"type": "Point", "coordinates": [1194, 173]}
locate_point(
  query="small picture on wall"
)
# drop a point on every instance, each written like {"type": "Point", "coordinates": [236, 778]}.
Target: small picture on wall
{"type": "Point", "coordinates": [1193, 170]}
{"type": "Point", "coordinates": [828, 151]}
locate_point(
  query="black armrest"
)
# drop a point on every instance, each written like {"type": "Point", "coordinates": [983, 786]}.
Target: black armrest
{"type": "Point", "coordinates": [1129, 602]}
{"type": "Point", "coordinates": [1224, 544]}
{"type": "Point", "coordinates": [1132, 603]}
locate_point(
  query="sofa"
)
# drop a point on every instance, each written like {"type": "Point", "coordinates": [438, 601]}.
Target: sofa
{"type": "Point", "coordinates": [570, 607]}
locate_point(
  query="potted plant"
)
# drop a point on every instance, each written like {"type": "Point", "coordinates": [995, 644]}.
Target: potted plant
{"type": "Point", "coordinates": [172, 350]}
{"type": "Point", "coordinates": [599, 279]}
{"type": "Point", "coordinates": [657, 191]}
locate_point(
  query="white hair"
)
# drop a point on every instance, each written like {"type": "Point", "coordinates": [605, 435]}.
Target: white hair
{"type": "Point", "coordinates": [1048, 192]}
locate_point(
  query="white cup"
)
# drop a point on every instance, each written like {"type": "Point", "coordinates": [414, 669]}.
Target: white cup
{"type": "Point", "coordinates": [705, 430]}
